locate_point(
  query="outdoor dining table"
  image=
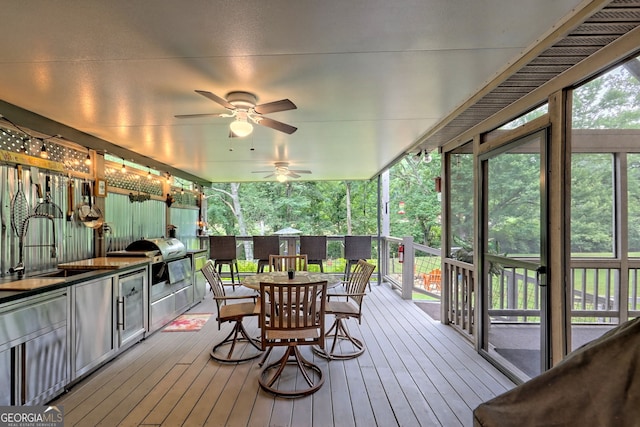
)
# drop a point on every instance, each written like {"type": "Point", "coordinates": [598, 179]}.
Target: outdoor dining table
{"type": "Point", "coordinates": [301, 277]}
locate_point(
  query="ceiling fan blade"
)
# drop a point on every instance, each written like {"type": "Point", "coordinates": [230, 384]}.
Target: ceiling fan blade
{"type": "Point", "coordinates": [275, 106]}
{"type": "Point", "coordinates": [216, 98]}
{"type": "Point", "coordinates": [299, 171]}
{"type": "Point", "coordinates": [269, 176]}
{"type": "Point", "coordinates": [192, 116]}
{"type": "Point", "coordinates": [261, 171]}
{"type": "Point", "coordinates": [274, 124]}
{"type": "Point", "coordinates": [293, 174]}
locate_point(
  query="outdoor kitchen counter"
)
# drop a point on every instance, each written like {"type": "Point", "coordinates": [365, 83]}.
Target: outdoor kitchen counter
{"type": "Point", "coordinates": [103, 263]}
{"type": "Point", "coordinates": [12, 289]}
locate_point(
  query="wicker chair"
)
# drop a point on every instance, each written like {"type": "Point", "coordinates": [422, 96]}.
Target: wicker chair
{"type": "Point", "coordinates": [291, 326]}
{"type": "Point", "coordinates": [287, 262]}
{"type": "Point", "coordinates": [346, 305]}
{"type": "Point", "coordinates": [231, 313]}
{"type": "Point", "coordinates": [355, 249]}
{"type": "Point", "coordinates": [263, 246]}
{"type": "Point", "coordinates": [315, 247]}
{"type": "Point", "coordinates": [222, 250]}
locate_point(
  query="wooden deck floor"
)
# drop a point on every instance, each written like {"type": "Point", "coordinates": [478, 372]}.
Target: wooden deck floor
{"type": "Point", "coordinates": [415, 372]}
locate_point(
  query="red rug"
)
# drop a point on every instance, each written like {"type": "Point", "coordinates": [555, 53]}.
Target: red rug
{"type": "Point", "coordinates": [188, 323]}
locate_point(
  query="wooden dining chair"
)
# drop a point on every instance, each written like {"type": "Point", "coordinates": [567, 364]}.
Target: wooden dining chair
{"type": "Point", "coordinates": [238, 339]}
{"type": "Point", "coordinates": [346, 304]}
{"type": "Point", "coordinates": [287, 262]}
{"type": "Point", "coordinates": [284, 324]}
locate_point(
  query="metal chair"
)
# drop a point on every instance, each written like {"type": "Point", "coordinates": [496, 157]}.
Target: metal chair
{"type": "Point", "coordinates": [222, 250]}
{"type": "Point", "coordinates": [292, 325]}
{"type": "Point", "coordinates": [346, 305]}
{"type": "Point", "coordinates": [231, 313]}
{"type": "Point", "coordinates": [287, 262]}
{"type": "Point", "coordinates": [263, 246]}
{"type": "Point", "coordinates": [315, 247]}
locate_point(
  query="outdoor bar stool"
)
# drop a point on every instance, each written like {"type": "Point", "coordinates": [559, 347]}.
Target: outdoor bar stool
{"type": "Point", "coordinates": [222, 250]}
{"type": "Point", "coordinates": [263, 246]}
{"type": "Point", "coordinates": [355, 249]}
{"type": "Point", "coordinates": [315, 247]}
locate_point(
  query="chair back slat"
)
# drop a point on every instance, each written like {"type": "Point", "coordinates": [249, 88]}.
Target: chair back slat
{"type": "Point", "coordinates": [287, 262]}
{"type": "Point", "coordinates": [358, 280]}
{"type": "Point", "coordinates": [214, 279]}
{"type": "Point", "coordinates": [292, 314]}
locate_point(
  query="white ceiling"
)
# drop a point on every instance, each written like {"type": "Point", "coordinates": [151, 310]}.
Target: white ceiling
{"type": "Point", "coordinates": [369, 77]}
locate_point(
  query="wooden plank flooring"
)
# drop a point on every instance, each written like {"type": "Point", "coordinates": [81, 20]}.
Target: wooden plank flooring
{"type": "Point", "coordinates": [415, 372]}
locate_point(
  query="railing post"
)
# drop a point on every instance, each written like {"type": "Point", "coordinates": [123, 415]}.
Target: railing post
{"type": "Point", "coordinates": [383, 259]}
{"type": "Point", "coordinates": [408, 268]}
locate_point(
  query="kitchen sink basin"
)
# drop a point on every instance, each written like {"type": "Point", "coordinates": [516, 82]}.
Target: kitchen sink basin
{"type": "Point", "coordinates": [65, 273]}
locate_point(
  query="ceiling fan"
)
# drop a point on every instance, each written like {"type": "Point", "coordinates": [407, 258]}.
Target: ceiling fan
{"type": "Point", "coordinates": [242, 106]}
{"type": "Point", "coordinates": [282, 172]}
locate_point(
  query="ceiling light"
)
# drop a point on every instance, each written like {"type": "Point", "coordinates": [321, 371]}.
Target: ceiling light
{"type": "Point", "coordinates": [168, 178]}
{"type": "Point", "coordinates": [149, 176]}
{"type": "Point", "coordinates": [281, 178]}
{"type": "Point", "coordinates": [43, 151]}
{"type": "Point", "coordinates": [123, 169]}
{"type": "Point", "coordinates": [241, 127]}
{"type": "Point", "coordinates": [87, 161]}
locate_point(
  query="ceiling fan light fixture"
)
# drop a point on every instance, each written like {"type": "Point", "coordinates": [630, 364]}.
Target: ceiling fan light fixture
{"type": "Point", "coordinates": [281, 177]}
{"type": "Point", "coordinates": [241, 128]}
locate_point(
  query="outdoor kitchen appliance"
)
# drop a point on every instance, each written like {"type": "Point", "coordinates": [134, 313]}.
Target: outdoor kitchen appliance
{"type": "Point", "coordinates": [171, 285]}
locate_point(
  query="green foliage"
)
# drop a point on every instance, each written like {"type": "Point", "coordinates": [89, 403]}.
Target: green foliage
{"type": "Point", "coordinates": [311, 207]}
{"type": "Point", "coordinates": [412, 182]}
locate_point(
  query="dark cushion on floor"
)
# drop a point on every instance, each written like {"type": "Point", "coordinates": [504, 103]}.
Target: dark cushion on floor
{"type": "Point", "coordinates": [596, 385]}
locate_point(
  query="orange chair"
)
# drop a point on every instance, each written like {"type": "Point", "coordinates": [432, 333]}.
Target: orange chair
{"type": "Point", "coordinates": [433, 280]}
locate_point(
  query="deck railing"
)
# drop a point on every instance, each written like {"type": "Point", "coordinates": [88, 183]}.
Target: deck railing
{"type": "Point", "coordinates": [597, 285]}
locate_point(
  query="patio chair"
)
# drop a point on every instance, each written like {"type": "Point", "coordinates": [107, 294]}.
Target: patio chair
{"type": "Point", "coordinates": [222, 250]}
{"type": "Point", "coordinates": [234, 313]}
{"type": "Point", "coordinates": [287, 262]}
{"type": "Point", "coordinates": [315, 248]}
{"type": "Point", "coordinates": [292, 325]}
{"type": "Point", "coordinates": [346, 305]}
{"type": "Point", "coordinates": [263, 246]}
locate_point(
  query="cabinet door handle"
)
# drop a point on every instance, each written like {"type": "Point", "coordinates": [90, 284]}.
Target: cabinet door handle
{"type": "Point", "coordinates": [121, 312]}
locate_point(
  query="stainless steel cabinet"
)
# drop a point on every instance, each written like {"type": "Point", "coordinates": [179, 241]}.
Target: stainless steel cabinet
{"type": "Point", "coordinates": [6, 387]}
{"type": "Point", "coordinates": [93, 324]}
{"type": "Point", "coordinates": [199, 281]}
{"type": "Point", "coordinates": [34, 349]}
{"type": "Point", "coordinates": [45, 366]}
{"type": "Point", "coordinates": [132, 307]}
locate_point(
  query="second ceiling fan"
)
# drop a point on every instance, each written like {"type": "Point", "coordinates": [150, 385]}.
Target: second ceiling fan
{"type": "Point", "coordinates": [282, 172]}
{"type": "Point", "coordinates": [242, 106]}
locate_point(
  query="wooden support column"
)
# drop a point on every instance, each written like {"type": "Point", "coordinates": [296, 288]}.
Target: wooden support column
{"type": "Point", "coordinates": [407, 268]}
{"type": "Point", "coordinates": [559, 218]}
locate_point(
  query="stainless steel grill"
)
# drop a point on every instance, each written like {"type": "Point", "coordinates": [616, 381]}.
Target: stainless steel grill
{"type": "Point", "coordinates": [161, 250]}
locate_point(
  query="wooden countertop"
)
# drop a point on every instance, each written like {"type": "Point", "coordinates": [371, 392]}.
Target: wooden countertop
{"type": "Point", "coordinates": [103, 263]}
{"type": "Point", "coordinates": [30, 283]}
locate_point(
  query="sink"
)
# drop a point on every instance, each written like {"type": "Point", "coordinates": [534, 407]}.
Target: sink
{"type": "Point", "coordinates": [65, 273]}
